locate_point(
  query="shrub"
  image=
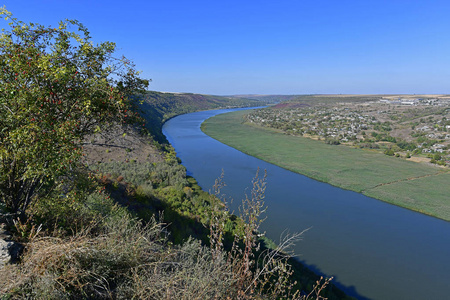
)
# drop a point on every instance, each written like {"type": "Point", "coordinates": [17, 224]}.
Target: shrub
{"type": "Point", "coordinates": [389, 152]}
{"type": "Point", "coordinates": [57, 88]}
{"type": "Point", "coordinates": [332, 141]}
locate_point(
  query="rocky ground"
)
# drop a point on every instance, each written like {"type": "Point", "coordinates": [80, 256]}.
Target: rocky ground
{"type": "Point", "coordinates": [9, 250]}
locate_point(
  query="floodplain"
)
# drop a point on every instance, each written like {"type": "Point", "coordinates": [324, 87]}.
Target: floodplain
{"type": "Point", "coordinates": [421, 187]}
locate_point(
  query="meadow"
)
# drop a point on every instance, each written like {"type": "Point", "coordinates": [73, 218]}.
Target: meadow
{"type": "Point", "coordinates": [415, 186]}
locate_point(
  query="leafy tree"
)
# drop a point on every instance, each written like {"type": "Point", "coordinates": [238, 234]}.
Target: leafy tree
{"type": "Point", "coordinates": [56, 87]}
{"type": "Point", "coordinates": [389, 152]}
{"type": "Point", "coordinates": [406, 146]}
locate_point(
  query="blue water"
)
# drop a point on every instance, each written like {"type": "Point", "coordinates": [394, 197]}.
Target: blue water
{"type": "Point", "coordinates": [373, 249]}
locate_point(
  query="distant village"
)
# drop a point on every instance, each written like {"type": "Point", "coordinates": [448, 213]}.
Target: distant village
{"type": "Point", "coordinates": [397, 127]}
{"type": "Point", "coordinates": [417, 101]}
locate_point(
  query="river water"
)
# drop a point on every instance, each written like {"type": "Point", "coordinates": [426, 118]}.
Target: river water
{"type": "Point", "coordinates": [373, 249]}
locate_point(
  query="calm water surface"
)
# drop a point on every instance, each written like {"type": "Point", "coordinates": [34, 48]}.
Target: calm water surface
{"type": "Point", "coordinates": [373, 249]}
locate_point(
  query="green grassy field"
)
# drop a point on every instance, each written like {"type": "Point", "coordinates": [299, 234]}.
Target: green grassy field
{"type": "Point", "coordinates": [415, 186]}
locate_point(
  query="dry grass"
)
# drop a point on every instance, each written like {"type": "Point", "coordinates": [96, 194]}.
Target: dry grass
{"type": "Point", "coordinates": [136, 266]}
{"type": "Point", "coordinates": [85, 265]}
{"type": "Point", "coordinates": [118, 257]}
{"type": "Point", "coordinates": [134, 263]}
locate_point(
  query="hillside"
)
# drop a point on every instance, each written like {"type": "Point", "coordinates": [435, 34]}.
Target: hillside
{"type": "Point", "coordinates": [93, 207]}
{"type": "Point", "coordinates": [119, 143]}
{"type": "Point", "coordinates": [157, 107]}
{"type": "Point", "coordinates": [137, 181]}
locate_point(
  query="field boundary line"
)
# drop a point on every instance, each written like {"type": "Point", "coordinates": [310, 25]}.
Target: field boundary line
{"type": "Point", "coordinates": [405, 179]}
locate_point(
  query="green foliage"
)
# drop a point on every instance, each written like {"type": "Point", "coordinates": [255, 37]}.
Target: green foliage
{"type": "Point", "coordinates": [437, 156]}
{"type": "Point", "coordinates": [406, 146]}
{"type": "Point", "coordinates": [158, 175]}
{"type": "Point", "coordinates": [389, 152]}
{"type": "Point", "coordinates": [56, 87]}
{"type": "Point", "coordinates": [386, 126]}
{"type": "Point", "coordinates": [438, 159]}
{"type": "Point", "coordinates": [383, 137]}
{"type": "Point", "coordinates": [76, 203]}
{"type": "Point", "coordinates": [331, 141]}
{"type": "Point", "coordinates": [157, 107]}
{"type": "Point", "coordinates": [164, 187]}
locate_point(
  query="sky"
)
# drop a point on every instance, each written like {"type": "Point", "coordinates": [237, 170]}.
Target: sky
{"type": "Point", "coordinates": [269, 47]}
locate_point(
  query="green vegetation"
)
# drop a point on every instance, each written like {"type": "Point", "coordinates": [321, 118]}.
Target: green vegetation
{"type": "Point", "coordinates": [394, 128]}
{"type": "Point", "coordinates": [90, 244]}
{"type": "Point", "coordinates": [118, 229]}
{"type": "Point", "coordinates": [56, 87]}
{"type": "Point", "coordinates": [158, 107]}
{"type": "Point", "coordinates": [428, 194]}
{"type": "Point", "coordinates": [367, 172]}
{"type": "Point", "coordinates": [162, 188]}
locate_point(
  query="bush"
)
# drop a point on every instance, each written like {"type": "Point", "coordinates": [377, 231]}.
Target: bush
{"type": "Point", "coordinates": [389, 152]}
{"type": "Point", "coordinates": [332, 141]}
{"type": "Point", "coordinates": [57, 89]}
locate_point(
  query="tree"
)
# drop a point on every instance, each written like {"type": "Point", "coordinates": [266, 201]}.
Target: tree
{"type": "Point", "coordinates": [389, 152]}
{"type": "Point", "coordinates": [56, 87]}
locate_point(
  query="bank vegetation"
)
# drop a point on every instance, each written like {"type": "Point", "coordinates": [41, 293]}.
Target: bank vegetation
{"type": "Point", "coordinates": [97, 219]}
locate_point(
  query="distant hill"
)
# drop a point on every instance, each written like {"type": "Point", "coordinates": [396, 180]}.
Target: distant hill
{"type": "Point", "coordinates": [330, 99]}
{"type": "Point", "coordinates": [308, 98]}
{"type": "Point", "coordinates": [158, 107]}
{"type": "Point", "coordinates": [268, 98]}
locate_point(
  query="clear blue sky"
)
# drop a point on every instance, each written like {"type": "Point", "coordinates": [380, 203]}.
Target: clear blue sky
{"type": "Point", "coordinates": [269, 47]}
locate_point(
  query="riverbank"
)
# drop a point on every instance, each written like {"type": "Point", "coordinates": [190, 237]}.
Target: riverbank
{"type": "Point", "coordinates": [418, 187]}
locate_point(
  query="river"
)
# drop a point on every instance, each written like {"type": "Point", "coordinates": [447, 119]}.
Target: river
{"type": "Point", "coordinates": [373, 249]}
